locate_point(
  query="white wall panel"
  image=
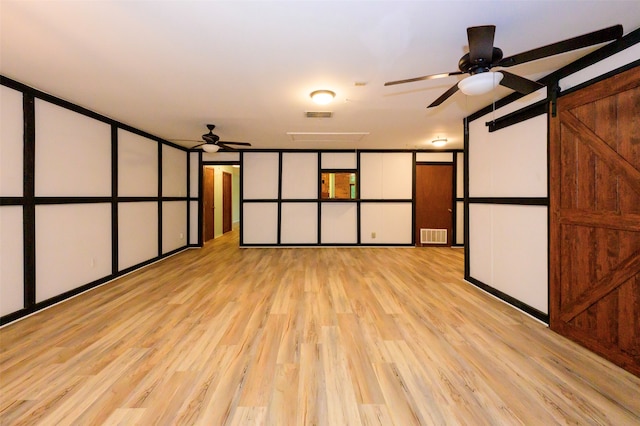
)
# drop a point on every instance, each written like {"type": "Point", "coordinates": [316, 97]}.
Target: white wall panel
{"type": "Point", "coordinates": [459, 222]}
{"type": "Point", "coordinates": [391, 223]}
{"type": "Point", "coordinates": [299, 223]}
{"type": "Point", "coordinates": [339, 160]}
{"type": "Point", "coordinates": [73, 246]}
{"type": "Point", "coordinates": [339, 223]}
{"type": "Point", "coordinates": [174, 225]}
{"type": "Point", "coordinates": [434, 157]}
{"type": "Point", "coordinates": [174, 172]}
{"type": "Point", "coordinates": [299, 175]}
{"type": "Point", "coordinates": [260, 175]}
{"type": "Point", "coordinates": [11, 260]}
{"type": "Point", "coordinates": [460, 175]}
{"type": "Point", "coordinates": [221, 156]}
{"type": "Point", "coordinates": [520, 253]}
{"type": "Point", "coordinates": [386, 175]}
{"type": "Point", "coordinates": [511, 162]}
{"type": "Point", "coordinates": [194, 173]}
{"type": "Point", "coordinates": [508, 250]}
{"type": "Point", "coordinates": [137, 165]}
{"type": "Point", "coordinates": [11, 142]}
{"type": "Point", "coordinates": [137, 233]}
{"type": "Point", "coordinates": [73, 153]}
{"type": "Point", "coordinates": [480, 242]}
{"type": "Point", "coordinates": [193, 224]}
{"type": "Point", "coordinates": [260, 223]}
{"type": "Point", "coordinates": [609, 64]}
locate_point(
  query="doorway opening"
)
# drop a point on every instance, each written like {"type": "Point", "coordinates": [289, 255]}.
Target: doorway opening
{"type": "Point", "coordinates": [220, 200]}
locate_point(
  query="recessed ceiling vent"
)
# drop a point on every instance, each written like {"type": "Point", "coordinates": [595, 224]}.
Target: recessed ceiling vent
{"type": "Point", "coordinates": [318, 114]}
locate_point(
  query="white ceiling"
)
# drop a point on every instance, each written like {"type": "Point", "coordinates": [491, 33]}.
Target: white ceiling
{"type": "Point", "coordinates": [170, 67]}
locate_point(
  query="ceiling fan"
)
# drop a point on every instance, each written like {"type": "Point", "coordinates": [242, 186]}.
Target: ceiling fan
{"type": "Point", "coordinates": [483, 56]}
{"type": "Point", "coordinates": [212, 142]}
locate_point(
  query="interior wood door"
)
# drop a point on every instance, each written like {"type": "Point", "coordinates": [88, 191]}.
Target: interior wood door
{"type": "Point", "coordinates": [208, 206]}
{"type": "Point", "coordinates": [434, 200]}
{"type": "Point", "coordinates": [595, 218]}
{"type": "Point", "coordinates": [227, 202]}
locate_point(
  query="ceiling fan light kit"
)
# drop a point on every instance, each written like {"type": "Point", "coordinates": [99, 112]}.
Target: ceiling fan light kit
{"type": "Point", "coordinates": [439, 142]}
{"type": "Point", "coordinates": [322, 97]}
{"type": "Point", "coordinates": [480, 83]}
{"type": "Point", "coordinates": [210, 148]}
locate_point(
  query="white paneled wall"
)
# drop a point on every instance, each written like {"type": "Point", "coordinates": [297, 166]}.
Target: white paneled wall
{"type": "Point", "coordinates": [137, 233]}
{"type": "Point", "coordinates": [507, 244]}
{"type": "Point", "coordinates": [137, 165]}
{"type": "Point", "coordinates": [194, 175]}
{"type": "Point", "coordinates": [339, 160]}
{"type": "Point", "coordinates": [73, 153]}
{"type": "Point", "coordinates": [73, 246]}
{"type": "Point", "coordinates": [11, 135]}
{"type": "Point", "coordinates": [58, 245]}
{"type": "Point", "coordinates": [11, 260]}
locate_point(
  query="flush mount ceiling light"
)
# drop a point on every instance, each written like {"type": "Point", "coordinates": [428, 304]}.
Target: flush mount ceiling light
{"type": "Point", "coordinates": [210, 147]}
{"type": "Point", "coordinates": [480, 83]}
{"type": "Point", "coordinates": [322, 97]}
{"type": "Point", "coordinates": [439, 142]}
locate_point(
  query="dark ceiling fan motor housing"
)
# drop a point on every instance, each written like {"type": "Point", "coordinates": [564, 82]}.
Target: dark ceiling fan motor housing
{"type": "Point", "coordinates": [480, 65]}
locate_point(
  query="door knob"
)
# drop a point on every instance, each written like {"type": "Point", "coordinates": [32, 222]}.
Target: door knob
{"type": "Point", "coordinates": [450, 211]}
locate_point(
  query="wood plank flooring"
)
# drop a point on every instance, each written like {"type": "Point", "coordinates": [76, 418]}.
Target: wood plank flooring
{"type": "Point", "coordinates": [328, 336]}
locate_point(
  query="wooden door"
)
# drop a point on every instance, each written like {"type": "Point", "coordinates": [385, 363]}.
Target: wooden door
{"type": "Point", "coordinates": [227, 202]}
{"type": "Point", "coordinates": [434, 200]}
{"type": "Point", "coordinates": [595, 218]}
{"type": "Point", "coordinates": [208, 206]}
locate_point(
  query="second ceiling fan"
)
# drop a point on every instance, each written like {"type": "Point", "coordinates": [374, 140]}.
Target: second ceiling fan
{"type": "Point", "coordinates": [212, 142]}
{"type": "Point", "coordinates": [483, 56]}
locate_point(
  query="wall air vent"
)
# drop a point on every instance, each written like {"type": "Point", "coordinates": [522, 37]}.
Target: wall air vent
{"type": "Point", "coordinates": [318, 114]}
{"type": "Point", "coordinates": [433, 236]}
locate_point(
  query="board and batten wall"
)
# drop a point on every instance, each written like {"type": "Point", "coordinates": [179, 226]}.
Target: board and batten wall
{"type": "Point", "coordinates": [507, 243]}
{"type": "Point", "coordinates": [83, 199]}
{"type": "Point", "coordinates": [281, 202]}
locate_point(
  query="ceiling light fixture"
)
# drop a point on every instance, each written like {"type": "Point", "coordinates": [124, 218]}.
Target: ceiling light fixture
{"type": "Point", "coordinates": [439, 141]}
{"type": "Point", "coordinates": [208, 147]}
{"type": "Point", "coordinates": [480, 83]}
{"type": "Point", "coordinates": [322, 97]}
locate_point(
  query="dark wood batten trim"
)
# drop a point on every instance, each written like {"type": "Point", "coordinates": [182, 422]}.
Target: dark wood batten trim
{"type": "Point", "coordinates": [509, 299]}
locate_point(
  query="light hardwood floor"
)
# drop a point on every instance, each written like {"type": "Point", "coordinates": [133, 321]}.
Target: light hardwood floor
{"type": "Point", "coordinates": [301, 336]}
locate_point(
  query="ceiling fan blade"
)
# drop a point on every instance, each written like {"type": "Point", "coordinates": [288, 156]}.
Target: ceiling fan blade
{"type": "Point", "coordinates": [446, 95]}
{"type": "Point", "coordinates": [585, 40]}
{"type": "Point", "coordinates": [226, 147]}
{"type": "Point", "coordinates": [234, 143]}
{"type": "Point", "coordinates": [424, 77]}
{"type": "Point", "coordinates": [481, 43]}
{"type": "Point", "coordinates": [519, 84]}
{"type": "Point", "coordinates": [200, 144]}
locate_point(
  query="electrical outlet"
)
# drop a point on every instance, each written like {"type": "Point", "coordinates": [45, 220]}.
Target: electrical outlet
{"type": "Point", "coordinates": [181, 235]}
{"type": "Point", "coordinates": [92, 263]}
{"type": "Point", "coordinates": [373, 235]}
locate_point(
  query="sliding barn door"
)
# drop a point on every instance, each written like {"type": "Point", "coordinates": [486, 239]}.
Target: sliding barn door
{"type": "Point", "coordinates": [595, 218]}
